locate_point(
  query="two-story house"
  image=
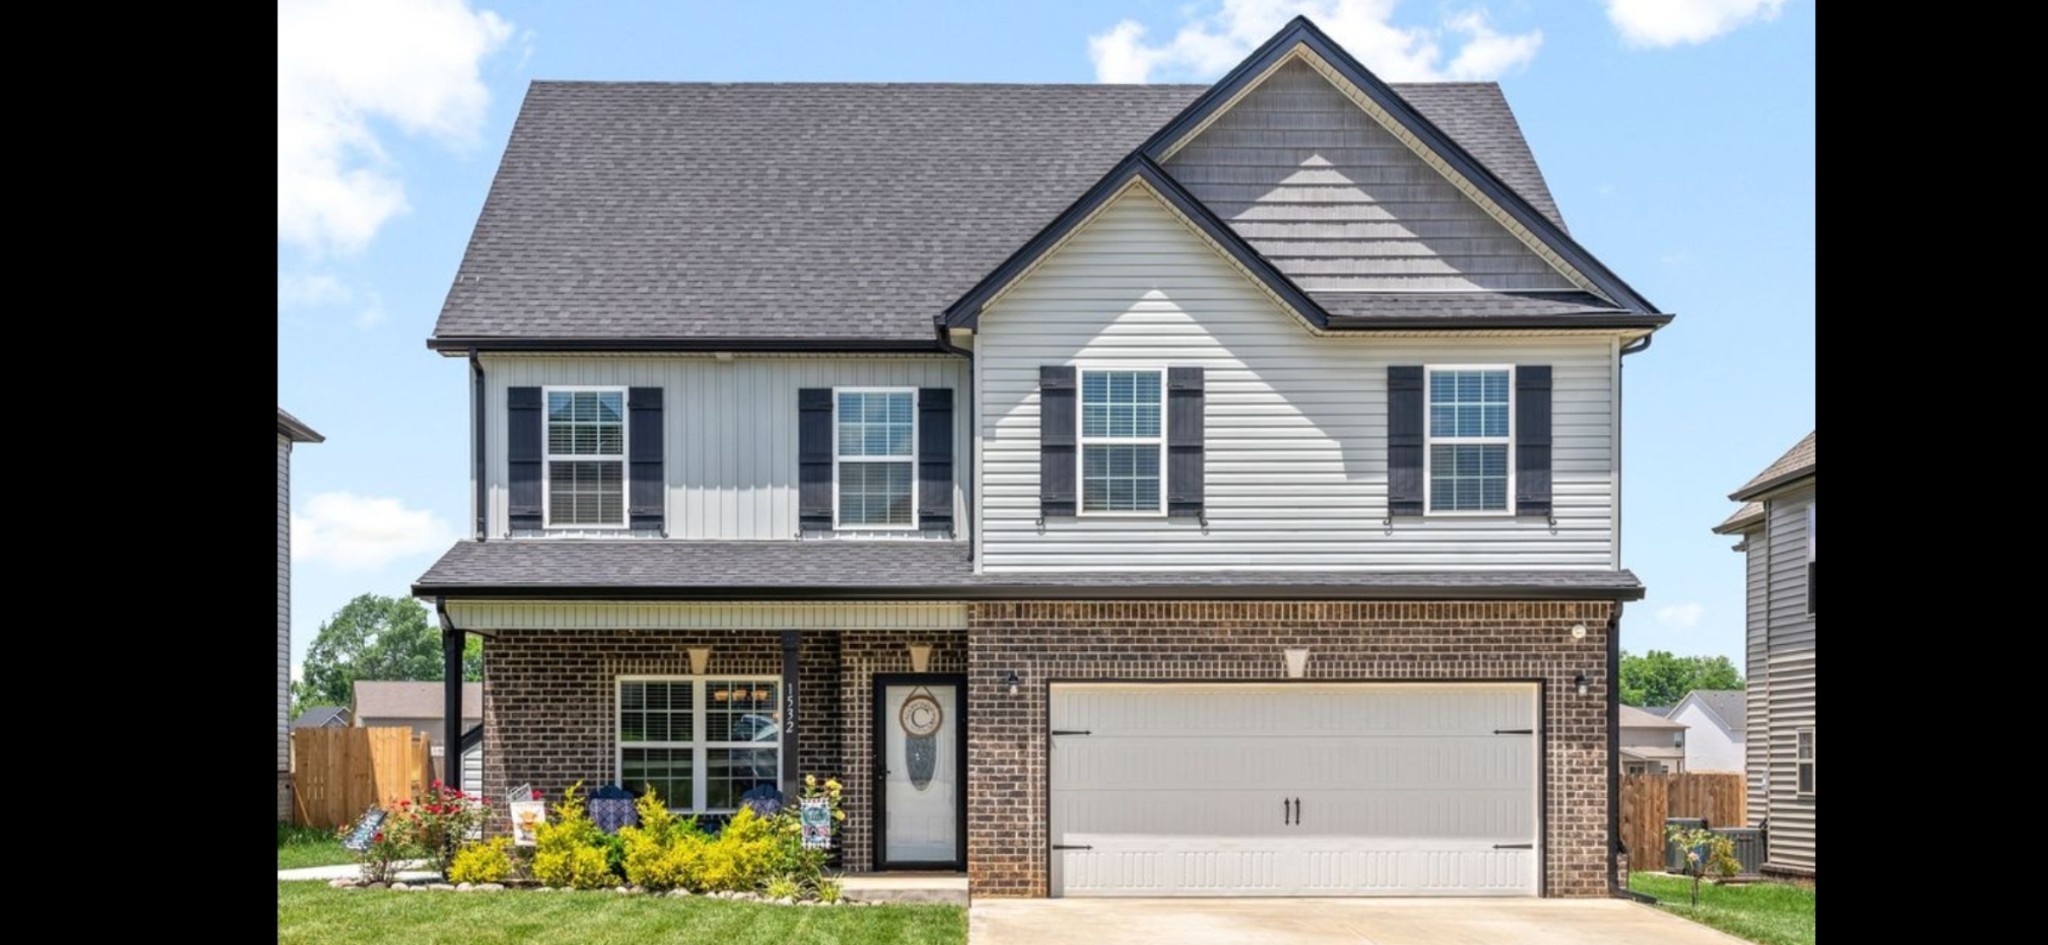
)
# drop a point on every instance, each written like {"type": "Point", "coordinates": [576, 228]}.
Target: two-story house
{"type": "Point", "coordinates": [289, 431]}
{"type": "Point", "coordinates": [1124, 490]}
{"type": "Point", "coordinates": [1776, 528]}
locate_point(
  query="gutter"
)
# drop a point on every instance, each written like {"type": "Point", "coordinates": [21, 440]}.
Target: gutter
{"type": "Point", "coordinates": [476, 447]}
{"type": "Point", "coordinates": [1017, 592]}
{"type": "Point", "coordinates": [456, 345]}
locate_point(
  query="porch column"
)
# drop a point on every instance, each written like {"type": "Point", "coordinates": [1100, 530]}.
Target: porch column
{"type": "Point", "coordinates": [451, 704]}
{"type": "Point", "coordinates": [792, 773]}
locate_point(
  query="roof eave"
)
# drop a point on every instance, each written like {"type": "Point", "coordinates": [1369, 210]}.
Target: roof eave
{"type": "Point", "coordinates": [992, 591]}
{"type": "Point", "coordinates": [296, 430]}
{"type": "Point", "coordinates": [1759, 489]}
{"type": "Point", "coordinates": [462, 346]}
{"type": "Point", "coordinates": [1624, 321]}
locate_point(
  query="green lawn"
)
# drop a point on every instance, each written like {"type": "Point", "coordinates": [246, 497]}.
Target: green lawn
{"type": "Point", "coordinates": [1771, 913]}
{"type": "Point", "coordinates": [312, 912]}
{"type": "Point", "coordinates": [307, 846]}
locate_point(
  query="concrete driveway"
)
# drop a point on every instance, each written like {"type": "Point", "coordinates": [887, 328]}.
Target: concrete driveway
{"type": "Point", "coordinates": [1330, 921]}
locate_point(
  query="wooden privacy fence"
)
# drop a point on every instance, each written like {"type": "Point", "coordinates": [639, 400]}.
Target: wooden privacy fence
{"type": "Point", "coordinates": [339, 772]}
{"type": "Point", "coordinates": [1646, 799]}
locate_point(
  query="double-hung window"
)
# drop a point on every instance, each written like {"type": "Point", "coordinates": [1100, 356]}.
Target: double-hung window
{"type": "Point", "coordinates": [701, 742]}
{"type": "Point", "coordinates": [1122, 441]}
{"type": "Point", "coordinates": [586, 457]}
{"type": "Point", "coordinates": [1805, 760]}
{"type": "Point", "coordinates": [876, 458]}
{"type": "Point", "coordinates": [1468, 463]}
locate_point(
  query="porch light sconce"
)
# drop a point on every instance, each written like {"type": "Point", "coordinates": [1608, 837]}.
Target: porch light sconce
{"type": "Point", "coordinates": [1578, 631]}
{"type": "Point", "coordinates": [1580, 682]}
{"type": "Point", "coordinates": [1010, 680]}
{"type": "Point", "coordinates": [1297, 661]}
{"type": "Point", "coordinates": [920, 657]}
{"type": "Point", "coordinates": [700, 660]}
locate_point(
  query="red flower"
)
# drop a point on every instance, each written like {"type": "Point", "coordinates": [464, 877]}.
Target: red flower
{"type": "Point", "coordinates": [378, 837]}
{"type": "Point", "coordinates": [536, 794]}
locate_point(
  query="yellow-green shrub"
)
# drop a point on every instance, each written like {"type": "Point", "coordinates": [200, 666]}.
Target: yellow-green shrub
{"type": "Point", "coordinates": [663, 852]}
{"type": "Point", "coordinates": [566, 850]}
{"type": "Point", "coordinates": [481, 862]}
{"type": "Point", "coordinates": [742, 856]}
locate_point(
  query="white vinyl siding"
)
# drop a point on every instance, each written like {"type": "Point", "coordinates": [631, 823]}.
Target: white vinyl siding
{"type": "Point", "coordinates": [1296, 426]}
{"type": "Point", "coordinates": [1756, 744]}
{"type": "Point", "coordinates": [730, 449]}
{"type": "Point", "coordinates": [700, 741]}
{"type": "Point", "coordinates": [874, 468]}
{"type": "Point", "coordinates": [1791, 667]}
{"type": "Point", "coordinates": [284, 623]}
{"type": "Point", "coordinates": [1123, 415]}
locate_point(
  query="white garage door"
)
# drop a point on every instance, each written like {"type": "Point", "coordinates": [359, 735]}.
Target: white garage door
{"type": "Point", "coordinates": [1308, 789]}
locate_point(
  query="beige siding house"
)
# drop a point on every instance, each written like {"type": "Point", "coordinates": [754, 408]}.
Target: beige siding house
{"type": "Point", "coordinates": [289, 431]}
{"type": "Point", "coordinates": [1776, 528]}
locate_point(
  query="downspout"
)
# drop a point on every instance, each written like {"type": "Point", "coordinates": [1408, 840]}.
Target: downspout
{"type": "Point", "coordinates": [1614, 668]}
{"type": "Point", "coordinates": [476, 447]}
{"type": "Point", "coordinates": [967, 404]}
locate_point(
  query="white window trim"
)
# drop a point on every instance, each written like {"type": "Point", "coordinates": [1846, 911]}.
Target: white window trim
{"type": "Point", "coordinates": [1430, 441]}
{"type": "Point", "coordinates": [911, 460]}
{"type": "Point", "coordinates": [1082, 440]}
{"type": "Point", "coordinates": [700, 756]}
{"type": "Point", "coordinates": [1807, 732]}
{"type": "Point", "coordinates": [548, 459]}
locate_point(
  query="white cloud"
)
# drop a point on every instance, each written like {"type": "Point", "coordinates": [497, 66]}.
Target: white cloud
{"type": "Point", "coordinates": [358, 533]}
{"type": "Point", "coordinates": [1659, 23]}
{"type": "Point", "coordinates": [1687, 614]}
{"type": "Point", "coordinates": [1210, 43]}
{"type": "Point", "coordinates": [310, 290]}
{"type": "Point", "coordinates": [342, 64]}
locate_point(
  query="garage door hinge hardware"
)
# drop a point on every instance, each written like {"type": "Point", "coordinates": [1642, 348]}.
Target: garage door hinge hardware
{"type": "Point", "coordinates": [1071, 731]}
{"type": "Point", "coordinates": [1514, 731]}
{"type": "Point", "coordinates": [1514, 846]}
{"type": "Point", "coordinates": [1071, 846]}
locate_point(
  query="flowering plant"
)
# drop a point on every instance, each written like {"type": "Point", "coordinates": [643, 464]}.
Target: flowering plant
{"type": "Point", "coordinates": [379, 858]}
{"type": "Point", "coordinates": [442, 818]}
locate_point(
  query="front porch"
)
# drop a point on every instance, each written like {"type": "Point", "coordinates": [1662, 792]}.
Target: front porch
{"type": "Point", "coordinates": [708, 702]}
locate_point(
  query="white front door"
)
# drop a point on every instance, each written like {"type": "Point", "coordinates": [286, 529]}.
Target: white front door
{"type": "Point", "coordinates": [1303, 789]}
{"type": "Point", "coordinates": [918, 728]}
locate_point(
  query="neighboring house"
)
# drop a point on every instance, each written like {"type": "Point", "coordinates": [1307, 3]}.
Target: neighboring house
{"type": "Point", "coordinates": [415, 705]}
{"type": "Point", "coordinates": [1650, 743]}
{"type": "Point", "coordinates": [1004, 450]}
{"type": "Point", "coordinates": [1663, 710]}
{"type": "Point", "coordinates": [289, 431]}
{"type": "Point", "coordinates": [322, 716]}
{"type": "Point", "coordinates": [1776, 525]}
{"type": "Point", "coordinates": [1714, 720]}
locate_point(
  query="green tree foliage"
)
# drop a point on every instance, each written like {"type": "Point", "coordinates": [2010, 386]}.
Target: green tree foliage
{"type": "Point", "coordinates": [1659, 678]}
{"type": "Point", "coordinates": [375, 637]}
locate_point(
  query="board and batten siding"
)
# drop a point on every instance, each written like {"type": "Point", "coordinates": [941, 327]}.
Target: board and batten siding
{"type": "Point", "coordinates": [1756, 697]}
{"type": "Point", "coordinates": [1791, 666]}
{"type": "Point", "coordinates": [1337, 202]}
{"type": "Point", "coordinates": [730, 450]}
{"type": "Point", "coordinates": [284, 625]}
{"type": "Point", "coordinates": [1296, 426]}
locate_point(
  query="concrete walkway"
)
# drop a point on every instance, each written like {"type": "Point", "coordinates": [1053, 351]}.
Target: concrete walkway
{"type": "Point", "coordinates": [410, 873]}
{"type": "Point", "coordinates": [1330, 922]}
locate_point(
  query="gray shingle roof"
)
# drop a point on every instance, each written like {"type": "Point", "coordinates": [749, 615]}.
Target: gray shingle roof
{"type": "Point", "coordinates": [1732, 705]}
{"type": "Point", "coordinates": [842, 212]}
{"type": "Point", "coordinates": [322, 716]}
{"type": "Point", "coordinates": [1633, 717]}
{"type": "Point", "coordinates": [398, 699]}
{"type": "Point", "coordinates": [736, 570]}
{"type": "Point", "coordinates": [1749, 515]}
{"type": "Point", "coordinates": [1797, 462]}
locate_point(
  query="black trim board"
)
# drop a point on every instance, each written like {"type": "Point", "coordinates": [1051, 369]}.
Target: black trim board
{"type": "Point", "coordinates": [880, 840]}
{"type": "Point", "coordinates": [966, 313]}
{"type": "Point", "coordinates": [1013, 592]}
{"type": "Point", "coordinates": [462, 346]}
{"type": "Point", "coordinates": [1300, 31]}
{"type": "Point", "coordinates": [1624, 321]}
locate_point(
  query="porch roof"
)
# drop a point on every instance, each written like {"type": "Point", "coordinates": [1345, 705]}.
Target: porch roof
{"type": "Point", "coordinates": [910, 569]}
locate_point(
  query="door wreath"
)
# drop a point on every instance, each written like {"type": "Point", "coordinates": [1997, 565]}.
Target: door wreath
{"type": "Point", "coordinates": [921, 719]}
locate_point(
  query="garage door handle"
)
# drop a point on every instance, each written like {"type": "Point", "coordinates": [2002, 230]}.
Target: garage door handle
{"type": "Point", "coordinates": [1070, 731]}
{"type": "Point", "coordinates": [1071, 846]}
{"type": "Point", "coordinates": [1297, 812]}
{"type": "Point", "coordinates": [1286, 813]}
{"type": "Point", "coordinates": [1514, 731]}
{"type": "Point", "coordinates": [1514, 846]}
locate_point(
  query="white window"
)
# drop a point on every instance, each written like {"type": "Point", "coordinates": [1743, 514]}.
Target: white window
{"type": "Point", "coordinates": [586, 458]}
{"type": "Point", "coordinates": [1634, 767]}
{"type": "Point", "coordinates": [1468, 462]}
{"type": "Point", "coordinates": [1122, 439]}
{"type": "Point", "coordinates": [701, 741]}
{"type": "Point", "coordinates": [875, 458]}
{"type": "Point", "coordinates": [1804, 759]}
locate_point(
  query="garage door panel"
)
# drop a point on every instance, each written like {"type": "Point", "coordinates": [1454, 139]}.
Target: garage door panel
{"type": "Point", "coordinates": [1402, 789]}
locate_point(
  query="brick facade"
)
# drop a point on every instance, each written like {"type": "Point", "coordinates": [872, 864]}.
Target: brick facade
{"type": "Point", "coordinates": [1007, 843]}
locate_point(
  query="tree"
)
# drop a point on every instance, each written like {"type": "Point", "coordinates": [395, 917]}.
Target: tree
{"type": "Point", "coordinates": [1659, 678]}
{"type": "Point", "coordinates": [374, 637]}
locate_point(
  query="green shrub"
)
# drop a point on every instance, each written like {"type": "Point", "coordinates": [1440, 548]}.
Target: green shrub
{"type": "Point", "coordinates": [829, 891]}
{"type": "Point", "coordinates": [569, 850]}
{"type": "Point", "coordinates": [663, 852]}
{"type": "Point", "coordinates": [482, 862]}
{"type": "Point", "coordinates": [743, 855]}
{"type": "Point", "coordinates": [379, 858]}
{"type": "Point", "coordinates": [782, 887]}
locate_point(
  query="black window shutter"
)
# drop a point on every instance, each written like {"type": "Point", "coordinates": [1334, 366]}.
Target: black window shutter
{"type": "Point", "coordinates": [935, 459]}
{"type": "Point", "coordinates": [1184, 450]}
{"type": "Point", "coordinates": [1532, 439]}
{"type": "Point", "coordinates": [1055, 440]}
{"type": "Point", "coordinates": [814, 458]}
{"type": "Point", "coordinates": [1404, 439]}
{"type": "Point", "coordinates": [647, 486]}
{"type": "Point", "coordinates": [523, 436]}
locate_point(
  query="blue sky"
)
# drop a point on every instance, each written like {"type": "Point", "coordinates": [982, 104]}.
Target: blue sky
{"type": "Point", "coordinates": [1677, 136]}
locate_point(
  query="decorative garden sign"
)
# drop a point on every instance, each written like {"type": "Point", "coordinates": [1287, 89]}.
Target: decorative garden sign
{"type": "Point", "coordinates": [366, 828]}
{"type": "Point", "coordinates": [817, 821]}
